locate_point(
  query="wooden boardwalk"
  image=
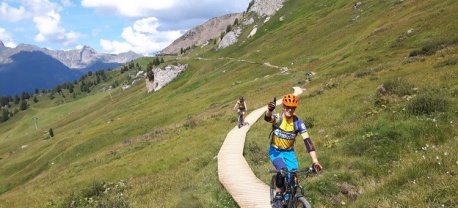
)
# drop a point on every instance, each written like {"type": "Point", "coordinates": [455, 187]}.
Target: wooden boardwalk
{"type": "Point", "coordinates": [234, 172]}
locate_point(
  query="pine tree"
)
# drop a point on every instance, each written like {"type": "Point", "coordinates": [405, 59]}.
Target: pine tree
{"type": "Point", "coordinates": [23, 105]}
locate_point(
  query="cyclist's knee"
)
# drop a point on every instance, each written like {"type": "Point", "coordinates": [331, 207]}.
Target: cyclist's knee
{"type": "Point", "coordinates": [279, 180]}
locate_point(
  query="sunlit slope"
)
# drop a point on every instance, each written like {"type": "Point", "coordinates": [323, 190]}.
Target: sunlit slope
{"type": "Point", "coordinates": [163, 145]}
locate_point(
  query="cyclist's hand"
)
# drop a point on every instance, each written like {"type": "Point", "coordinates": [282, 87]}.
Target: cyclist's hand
{"type": "Point", "coordinates": [271, 106]}
{"type": "Point", "coordinates": [316, 167]}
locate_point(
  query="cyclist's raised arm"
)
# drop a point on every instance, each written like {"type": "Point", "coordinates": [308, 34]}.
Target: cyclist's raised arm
{"type": "Point", "coordinates": [268, 115]}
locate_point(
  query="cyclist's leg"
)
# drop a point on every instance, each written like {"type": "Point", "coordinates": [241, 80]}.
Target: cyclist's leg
{"type": "Point", "coordinates": [243, 114]}
{"type": "Point", "coordinates": [291, 161]}
{"type": "Point", "coordinates": [276, 157]}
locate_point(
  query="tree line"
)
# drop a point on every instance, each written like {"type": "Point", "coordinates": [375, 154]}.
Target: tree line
{"type": "Point", "coordinates": [11, 105]}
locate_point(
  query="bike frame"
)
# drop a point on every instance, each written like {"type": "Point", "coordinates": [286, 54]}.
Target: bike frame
{"type": "Point", "coordinates": [240, 119]}
{"type": "Point", "coordinates": [290, 188]}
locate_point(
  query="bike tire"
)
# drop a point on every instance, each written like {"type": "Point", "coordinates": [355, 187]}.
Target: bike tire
{"type": "Point", "coordinates": [301, 202]}
{"type": "Point", "coordinates": [273, 189]}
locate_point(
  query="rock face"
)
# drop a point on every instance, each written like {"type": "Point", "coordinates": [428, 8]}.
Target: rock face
{"type": "Point", "coordinates": [266, 7]}
{"type": "Point", "coordinates": [162, 76]}
{"type": "Point", "coordinates": [202, 33]}
{"type": "Point", "coordinates": [230, 38]}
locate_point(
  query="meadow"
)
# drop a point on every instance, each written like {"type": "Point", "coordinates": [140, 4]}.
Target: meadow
{"type": "Point", "coordinates": [395, 147]}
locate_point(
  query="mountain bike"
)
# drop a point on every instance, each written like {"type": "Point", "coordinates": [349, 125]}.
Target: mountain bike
{"type": "Point", "coordinates": [240, 121]}
{"type": "Point", "coordinates": [293, 194]}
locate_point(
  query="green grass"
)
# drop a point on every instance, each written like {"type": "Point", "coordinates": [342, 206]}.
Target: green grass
{"type": "Point", "coordinates": [387, 150]}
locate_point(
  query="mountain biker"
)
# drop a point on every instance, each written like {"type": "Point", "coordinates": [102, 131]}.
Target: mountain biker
{"type": "Point", "coordinates": [309, 75]}
{"type": "Point", "coordinates": [242, 107]}
{"type": "Point", "coordinates": [285, 127]}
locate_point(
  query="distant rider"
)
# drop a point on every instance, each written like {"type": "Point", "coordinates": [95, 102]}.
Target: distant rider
{"type": "Point", "coordinates": [241, 106]}
{"type": "Point", "coordinates": [285, 126]}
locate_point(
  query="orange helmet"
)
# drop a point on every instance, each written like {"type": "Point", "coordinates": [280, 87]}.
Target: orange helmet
{"type": "Point", "coordinates": [290, 100]}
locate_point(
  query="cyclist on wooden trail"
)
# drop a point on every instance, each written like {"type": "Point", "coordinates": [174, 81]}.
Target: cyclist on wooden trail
{"type": "Point", "coordinates": [242, 107]}
{"type": "Point", "coordinates": [285, 127]}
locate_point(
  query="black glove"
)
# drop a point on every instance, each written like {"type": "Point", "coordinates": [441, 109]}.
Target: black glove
{"type": "Point", "coordinates": [271, 106]}
{"type": "Point", "coordinates": [316, 167]}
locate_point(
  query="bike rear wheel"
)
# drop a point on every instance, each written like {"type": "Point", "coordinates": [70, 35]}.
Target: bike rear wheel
{"type": "Point", "coordinates": [301, 202]}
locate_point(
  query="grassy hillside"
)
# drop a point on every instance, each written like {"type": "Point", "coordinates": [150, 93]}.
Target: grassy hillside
{"type": "Point", "coordinates": [159, 149]}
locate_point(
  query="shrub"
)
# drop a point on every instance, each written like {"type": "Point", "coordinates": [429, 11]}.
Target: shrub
{"type": "Point", "coordinates": [101, 195]}
{"type": "Point", "coordinates": [399, 87]}
{"type": "Point", "coordinates": [309, 122]}
{"type": "Point", "coordinates": [427, 103]}
{"type": "Point", "coordinates": [258, 154]}
{"type": "Point", "coordinates": [448, 62]}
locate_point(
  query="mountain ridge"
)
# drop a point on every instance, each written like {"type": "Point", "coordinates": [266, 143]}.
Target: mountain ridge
{"type": "Point", "coordinates": [76, 62]}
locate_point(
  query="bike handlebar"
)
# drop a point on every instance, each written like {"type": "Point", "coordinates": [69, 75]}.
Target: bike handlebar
{"type": "Point", "coordinates": [282, 171]}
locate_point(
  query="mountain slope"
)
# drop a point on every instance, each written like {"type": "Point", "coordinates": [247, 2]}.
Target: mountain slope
{"type": "Point", "coordinates": [389, 148]}
{"type": "Point", "coordinates": [201, 34]}
{"type": "Point", "coordinates": [12, 63]}
{"type": "Point", "coordinates": [33, 70]}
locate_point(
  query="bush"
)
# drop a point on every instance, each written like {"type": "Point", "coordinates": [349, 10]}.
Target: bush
{"type": "Point", "coordinates": [309, 122]}
{"type": "Point", "coordinates": [399, 87]}
{"type": "Point", "coordinates": [101, 195]}
{"type": "Point", "coordinates": [427, 103]}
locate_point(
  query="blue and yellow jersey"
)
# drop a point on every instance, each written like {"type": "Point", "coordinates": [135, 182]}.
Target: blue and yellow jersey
{"type": "Point", "coordinates": [285, 130]}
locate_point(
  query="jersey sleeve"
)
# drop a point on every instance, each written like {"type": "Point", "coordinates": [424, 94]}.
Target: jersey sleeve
{"type": "Point", "coordinates": [275, 120]}
{"type": "Point", "coordinates": [301, 127]}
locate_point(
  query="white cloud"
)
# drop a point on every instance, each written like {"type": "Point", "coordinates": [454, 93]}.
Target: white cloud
{"type": "Point", "coordinates": [12, 14]}
{"type": "Point", "coordinates": [143, 37]}
{"type": "Point", "coordinates": [50, 30]}
{"type": "Point", "coordinates": [138, 8]}
{"type": "Point", "coordinates": [6, 38]}
{"type": "Point", "coordinates": [67, 3]}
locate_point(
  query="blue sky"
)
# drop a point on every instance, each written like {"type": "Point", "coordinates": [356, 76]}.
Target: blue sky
{"type": "Point", "coordinates": [108, 26]}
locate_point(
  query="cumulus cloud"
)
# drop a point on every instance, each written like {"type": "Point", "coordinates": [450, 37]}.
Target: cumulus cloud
{"type": "Point", "coordinates": [143, 37]}
{"type": "Point", "coordinates": [134, 9]}
{"type": "Point", "coordinates": [49, 29]}
{"type": "Point", "coordinates": [12, 14]}
{"type": "Point", "coordinates": [158, 22]}
{"type": "Point", "coordinates": [6, 38]}
{"type": "Point", "coordinates": [148, 26]}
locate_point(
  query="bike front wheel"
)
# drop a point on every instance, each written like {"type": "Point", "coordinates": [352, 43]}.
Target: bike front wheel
{"type": "Point", "coordinates": [302, 202]}
{"type": "Point", "coordinates": [272, 189]}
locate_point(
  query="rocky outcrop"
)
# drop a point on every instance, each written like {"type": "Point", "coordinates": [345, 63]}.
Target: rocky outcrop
{"type": "Point", "coordinates": [266, 7]}
{"type": "Point", "coordinates": [162, 76]}
{"type": "Point", "coordinates": [230, 38]}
